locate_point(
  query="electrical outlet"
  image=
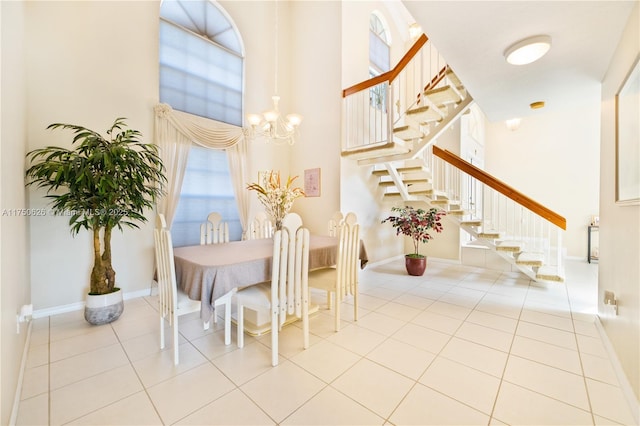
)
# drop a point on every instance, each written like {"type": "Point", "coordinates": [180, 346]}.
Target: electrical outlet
{"type": "Point", "coordinates": [610, 300]}
{"type": "Point", "coordinates": [25, 314]}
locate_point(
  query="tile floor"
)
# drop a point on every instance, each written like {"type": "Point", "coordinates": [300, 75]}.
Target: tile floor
{"type": "Point", "coordinates": [460, 345]}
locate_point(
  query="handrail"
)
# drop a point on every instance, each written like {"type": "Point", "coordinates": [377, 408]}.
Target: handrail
{"type": "Point", "coordinates": [389, 75]}
{"type": "Point", "coordinates": [501, 187]}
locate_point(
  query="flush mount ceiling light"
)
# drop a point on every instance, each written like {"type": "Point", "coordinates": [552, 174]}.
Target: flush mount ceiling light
{"type": "Point", "coordinates": [528, 50]}
{"type": "Point", "coordinates": [536, 105]}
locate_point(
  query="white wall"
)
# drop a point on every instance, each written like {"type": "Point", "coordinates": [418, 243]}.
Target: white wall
{"type": "Point", "coordinates": [316, 84]}
{"type": "Point", "coordinates": [88, 63]}
{"type": "Point", "coordinates": [14, 272]}
{"type": "Point", "coordinates": [619, 269]}
{"type": "Point", "coordinates": [305, 63]}
{"type": "Point", "coordinates": [359, 191]}
{"type": "Point", "coordinates": [553, 159]}
{"type": "Point", "coordinates": [85, 70]}
{"type": "Point", "coordinates": [256, 23]}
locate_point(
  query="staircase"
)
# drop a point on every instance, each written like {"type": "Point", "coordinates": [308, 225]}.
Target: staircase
{"type": "Point", "coordinates": [392, 125]}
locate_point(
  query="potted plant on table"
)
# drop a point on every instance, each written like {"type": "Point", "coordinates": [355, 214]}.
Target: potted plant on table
{"type": "Point", "coordinates": [417, 224]}
{"type": "Point", "coordinates": [101, 184]}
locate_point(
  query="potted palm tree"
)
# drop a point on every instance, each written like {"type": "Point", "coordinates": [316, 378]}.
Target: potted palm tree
{"type": "Point", "coordinates": [417, 224]}
{"type": "Point", "coordinates": [101, 183]}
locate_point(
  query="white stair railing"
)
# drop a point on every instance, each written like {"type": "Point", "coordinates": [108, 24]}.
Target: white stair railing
{"type": "Point", "coordinates": [374, 107]}
{"type": "Point", "coordinates": [366, 117]}
{"type": "Point", "coordinates": [501, 218]}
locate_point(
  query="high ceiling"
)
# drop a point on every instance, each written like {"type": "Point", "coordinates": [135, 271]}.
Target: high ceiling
{"type": "Point", "coordinates": [473, 35]}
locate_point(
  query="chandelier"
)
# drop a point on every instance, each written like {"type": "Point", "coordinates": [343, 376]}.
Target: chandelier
{"type": "Point", "coordinates": [271, 125]}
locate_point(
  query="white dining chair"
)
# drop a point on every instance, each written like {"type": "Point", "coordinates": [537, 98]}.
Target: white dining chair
{"type": "Point", "coordinates": [342, 280]}
{"type": "Point", "coordinates": [172, 301]}
{"type": "Point", "coordinates": [288, 291]}
{"type": "Point", "coordinates": [260, 227]}
{"type": "Point", "coordinates": [214, 230]}
{"type": "Point", "coordinates": [334, 222]}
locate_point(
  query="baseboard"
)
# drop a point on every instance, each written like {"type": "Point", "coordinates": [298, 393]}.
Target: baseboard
{"type": "Point", "coordinates": [401, 257]}
{"type": "Point", "coordinates": [23, 366]}
{"type": "Point", "coordinates": [384, 261]}
{"type": "Point", "coordinates": [625, 386]}
{"type": "Point", "coordinates": [443, 260]}
{"type": "Point", "coordinates": [61, 309]}
{"type": "Point", "coordinates": [41, 313]}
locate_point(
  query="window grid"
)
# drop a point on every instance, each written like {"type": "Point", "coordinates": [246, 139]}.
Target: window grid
{"type": "Point", "coordinates": [202, 74]}
{"type": "Point", "coordinates": [379, 60]}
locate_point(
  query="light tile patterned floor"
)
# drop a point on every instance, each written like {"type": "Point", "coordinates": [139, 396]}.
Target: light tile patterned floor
{"type": "Point", "coordinates": [460, 345]}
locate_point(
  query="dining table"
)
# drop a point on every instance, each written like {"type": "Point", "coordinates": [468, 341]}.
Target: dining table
{"type": "Point", "coordinates": [207, 272]}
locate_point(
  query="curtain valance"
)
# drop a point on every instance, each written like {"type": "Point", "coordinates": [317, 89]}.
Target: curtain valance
{"type": "Point", "coordinates": [175, 131]}
{"type": "Point", "coordinates": [202, 131]}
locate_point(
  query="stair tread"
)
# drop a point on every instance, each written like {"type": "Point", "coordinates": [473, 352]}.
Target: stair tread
{"type": "Point", "coordinates": [425, 114]}
{"type": "Point", "coordinates": [414, 192]}
{"type": "Point", "coordinates": [549, 273]}
{"type": "Point", "coordinates": [407, 132]}
{"type": "Point", "coordinates": [419, 185]}
{"type": "Point", "coordinates": [453, 78]}
{"type": "Point", "coordinates": [420, 191]}
{"type": "Point", "coordinates": [412, 181]}
{"type": "Point", "coordinates": [385, 172]}
{"type": "Point", "coordinates": [386, 183]}
{"type": "Point", "coordinates": [472, 222]}
{"type": "Point", "coordinates": [489, 234]}
{"type": "Point", "coordinates": [511, 246]}
{"type": "Point", "coordinates": [411, 169]}
{"type": "Point", "coordinates": [530, 259]}
{"type": "Point", "coordinates": [375, 150]}
{"type": "Point", "coordinates": [443, 95]}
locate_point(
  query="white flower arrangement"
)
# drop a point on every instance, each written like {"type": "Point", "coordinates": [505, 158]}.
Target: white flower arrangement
{"type": "Point", "coordinates": [277, 199]}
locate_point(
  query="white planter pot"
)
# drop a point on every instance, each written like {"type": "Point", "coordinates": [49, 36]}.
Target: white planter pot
{"type": "Point", "coordinates": [103, 308]}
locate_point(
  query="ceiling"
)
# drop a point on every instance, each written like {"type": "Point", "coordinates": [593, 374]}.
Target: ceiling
{"type": "Point", "coordinates": [473, 35]}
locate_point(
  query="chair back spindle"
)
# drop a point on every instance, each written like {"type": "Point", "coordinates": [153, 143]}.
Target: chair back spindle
{"type": "Point", "coordinates": [260, 227]}
{"type": "Point", "coordinates": [173, 302]}
{"type": "Point", "coordinates": [334, 222]}
{"type": "Point", "coordinates": [343, 279]}
{"type": "Point", "coordinates": [288, 292]}
{"type": "Point", "coordinates": [214, 230]}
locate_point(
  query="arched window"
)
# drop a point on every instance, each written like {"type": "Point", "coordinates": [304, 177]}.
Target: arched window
{"type": "Point", "coordinates": [379, 41]}
{"type": "Point", "coordinates": [200, 61]}
{"type": "Point", "coordinates": [379, 58]}
{"type": "Point", "coordinates": [201, 72]}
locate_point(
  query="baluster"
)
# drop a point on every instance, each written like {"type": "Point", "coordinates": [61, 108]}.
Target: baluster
{"type": "Point", "coordinates": [390, 94]}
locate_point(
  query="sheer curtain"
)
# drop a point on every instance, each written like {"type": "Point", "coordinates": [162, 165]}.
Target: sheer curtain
{"type": "Point", "coordinates": [175, 131]}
